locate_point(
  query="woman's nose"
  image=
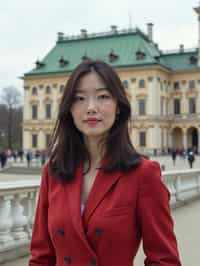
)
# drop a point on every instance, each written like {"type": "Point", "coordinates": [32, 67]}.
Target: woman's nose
{"type": "Point", "coordinates": [92, 104]}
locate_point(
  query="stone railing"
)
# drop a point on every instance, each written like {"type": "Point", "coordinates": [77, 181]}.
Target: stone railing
{"type": "Point", "coordinates": [18, 200]}
{"type": "Point", "coordinates": [184, 185]}
{"type": "Point", "coordinates": [17, 207]}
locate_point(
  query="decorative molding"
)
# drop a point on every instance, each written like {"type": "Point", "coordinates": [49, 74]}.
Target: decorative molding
{"type": "Point", "coordinates": [41, 86]}
{"type": "Point", "coordinates": [183, 82]}
{"type": "Point", "coordinates": [141, 95]}
{"type": "Point", "coordinates": [55, 85]}
{"type": "Point", "coordinates": [150, 79]}
{"type": "Point", "coordinates": [26, 87]}
{"type": "Point", "coordinates": [133, 80]}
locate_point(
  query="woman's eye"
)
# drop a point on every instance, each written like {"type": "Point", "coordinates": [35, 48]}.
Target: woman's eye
{"type": "Point", "coordinates": [104, 96]}
{"type": "Point", "coordinates": [79, 98]}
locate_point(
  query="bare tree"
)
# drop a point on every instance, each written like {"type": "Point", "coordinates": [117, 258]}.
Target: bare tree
{"type": "Point", "coordinates": [12, 99]}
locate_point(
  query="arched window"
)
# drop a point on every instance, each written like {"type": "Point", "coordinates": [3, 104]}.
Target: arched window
{"type": "Point", "coordinates": [141, 83]}
{"type": "Point", "coordinates": [125, 84]}
{"type": "Point", "coordinates": [34, 91]}
{"type": "Point", "coordinates": [48, 110]}
{"type": "Point", "coordinates": [62, 87]}
{"type": "Point", "coordinates": [48, 90]}
{"type": "Point", "coordinates": [34, 111]}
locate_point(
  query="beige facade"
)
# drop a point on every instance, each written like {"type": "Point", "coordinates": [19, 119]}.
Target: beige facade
{"type": "Point", "coordinates": [165, 108]}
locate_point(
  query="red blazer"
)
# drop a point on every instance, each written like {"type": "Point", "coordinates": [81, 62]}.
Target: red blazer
{"type": "Point", "coordinates": [121, 209]}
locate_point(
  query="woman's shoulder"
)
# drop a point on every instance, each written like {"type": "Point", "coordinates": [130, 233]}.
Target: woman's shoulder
{"type": "Point", "coordinates": [147, 169]}
{"type": "Point", "coordinates": [149, 164]}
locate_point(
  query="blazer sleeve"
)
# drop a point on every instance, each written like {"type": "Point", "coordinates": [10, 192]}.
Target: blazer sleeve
{"type": "Point", "coordinates": [155, 221]}
{"type": "Point", "coordinates": [42, 250]}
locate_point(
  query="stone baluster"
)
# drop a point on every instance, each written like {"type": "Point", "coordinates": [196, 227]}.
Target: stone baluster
{"type": "Point", "coordinates": [18, 218]}
{"type": "Point", "coordinates": [5, 221]}
{"type": "Point", "coordinates": [30, 210]}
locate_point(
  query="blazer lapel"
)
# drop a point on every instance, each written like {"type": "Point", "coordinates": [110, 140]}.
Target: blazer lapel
{"type": "Point", "coordinates": [73, 191]}
{"type": "Point", "coordinates": [102, 184]}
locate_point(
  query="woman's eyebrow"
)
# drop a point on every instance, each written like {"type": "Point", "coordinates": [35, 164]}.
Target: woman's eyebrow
{"type": "Point", "coordinates": [97, 89]}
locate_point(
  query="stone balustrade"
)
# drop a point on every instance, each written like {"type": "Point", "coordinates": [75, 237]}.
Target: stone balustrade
{"type": "Point", "coordinates": [17, 206]}
{"type": "Point", "coordinates": [18, 201]}
{"type": "Point", "coordinates": [184, 185]}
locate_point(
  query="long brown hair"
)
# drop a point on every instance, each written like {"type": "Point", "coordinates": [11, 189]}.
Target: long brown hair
{"type": "Point", "coordinates": [67, 147]}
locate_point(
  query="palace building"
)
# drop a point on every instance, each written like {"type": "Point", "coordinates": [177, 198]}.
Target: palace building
{"type": "Point", "coordinates": [163, 87]}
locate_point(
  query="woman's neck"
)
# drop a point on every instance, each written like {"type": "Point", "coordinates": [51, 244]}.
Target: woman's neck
{"type": "Point", "coordinates": [96, 152]}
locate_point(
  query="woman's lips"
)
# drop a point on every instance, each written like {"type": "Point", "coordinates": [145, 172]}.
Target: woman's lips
{"type": "Point", "coordinates": [92, 122]}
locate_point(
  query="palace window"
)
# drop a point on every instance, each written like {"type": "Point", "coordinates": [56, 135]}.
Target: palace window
{"type": "Point", "coordinates": [142, 107]}
{"type": "Point", "coordinates": [141, 83]}
{"type": "Point", "coordinates": [142, 139]}
{"type": "Point", "coordinates": [176, 85]}
{"type": "Point", "coordinates": [48, 136]}
{"type": "Point", "coordinates": [48, 90]}
{"type": "Point", "coordinates": [192, 105]}
{"type": "Point", "coordinates": [34, 111]}
{"type": "Point", "coordinates": [48, 110]}
{"type": "Point", "coordinates": [34, 91]}
{"type": "Point", "coordinates": [177, 108]}
{"type": "Point", "coordinates": [62, 87]}
{"type": "Point", "coordinates": [34, 140]}
{"type": "Point", "coordinates": [140, 55]}
{"type": "Point", "coordinates": [125, 84]}
{"type": "Point", "coordinates": [191, 84]}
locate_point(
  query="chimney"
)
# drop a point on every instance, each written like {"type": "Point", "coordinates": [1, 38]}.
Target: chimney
{"type": "Point", "coordinates": [84, 33]}
{"type": "Point", "coordinates": [60, 36]}
{"type": "Point", "coordinates": [113, 28]}
{"type": "Point", "coordinates": [181, 48]}
{"type": "Point", "coordinates": [150, 31]}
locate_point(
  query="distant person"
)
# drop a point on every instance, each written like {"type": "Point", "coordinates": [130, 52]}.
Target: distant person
{"type": "Point", "coordinates": [174, 155]}
{"type": "Point", "coordinates": [43, 157]}
{"type": "Point", "coordinates": [20, 155]}
{"type": "Point", "coordinates": [28, 158]}
{"type": "Point", "coordinates": [3, 159]}
{"type": "Point", "coordinates": [14, 155]}
{"type": "Point", "coordinates": [191, 158]}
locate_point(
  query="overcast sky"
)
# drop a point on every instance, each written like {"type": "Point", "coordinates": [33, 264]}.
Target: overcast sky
{"type": "Point", "coordinates": [28, 29]}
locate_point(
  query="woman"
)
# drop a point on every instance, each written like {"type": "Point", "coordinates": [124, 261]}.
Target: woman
{"type": "Point", "coordinates": [98, 196]}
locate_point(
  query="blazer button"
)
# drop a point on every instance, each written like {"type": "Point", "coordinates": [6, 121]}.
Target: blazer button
{"type": "Point", "coordinates": [93, 261]}
{"type": "Point", "coordinates": [67, 260]}
{"type": "Point", "coordinates": [98, 231]}
{"type": "Point", "coordinates": [61, 232]}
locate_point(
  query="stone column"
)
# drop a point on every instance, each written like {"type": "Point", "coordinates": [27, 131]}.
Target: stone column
{"type": "Point", "coordinates": [184, 143]}
{"type": "Point", "coordinates": [199, 140]}
{"type": "Point", "coordinates": [169, 139]}
{"type": "Point", "coordinates": [41, 140]}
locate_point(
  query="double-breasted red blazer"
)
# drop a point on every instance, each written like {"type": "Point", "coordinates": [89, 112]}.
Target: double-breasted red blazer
{"type": "Point", "coordinates": [121, 209]}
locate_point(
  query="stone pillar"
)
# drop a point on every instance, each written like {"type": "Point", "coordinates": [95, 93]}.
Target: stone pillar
{"type": "Point", "coordinates": [170, 139]}
{"type": "Point", "coordinates": [5, 221]}
{"type": "Point", "coordinates": [184, 104]}
{"type": "Point", "coordinates": [27, 106]}
{"type": "Point", "coordinates": [199, 140]}
{"type": "Point", "coordinates": [184, 143]}
{"type": "Point", "coordinates": [41, 140]}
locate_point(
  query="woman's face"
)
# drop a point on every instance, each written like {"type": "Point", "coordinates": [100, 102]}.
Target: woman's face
{"type": "Point", "coordinates": [94, 108]}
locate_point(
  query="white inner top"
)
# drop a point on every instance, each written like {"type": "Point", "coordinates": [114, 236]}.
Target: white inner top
{"type": "Point", "coordinates": [82, 208]}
